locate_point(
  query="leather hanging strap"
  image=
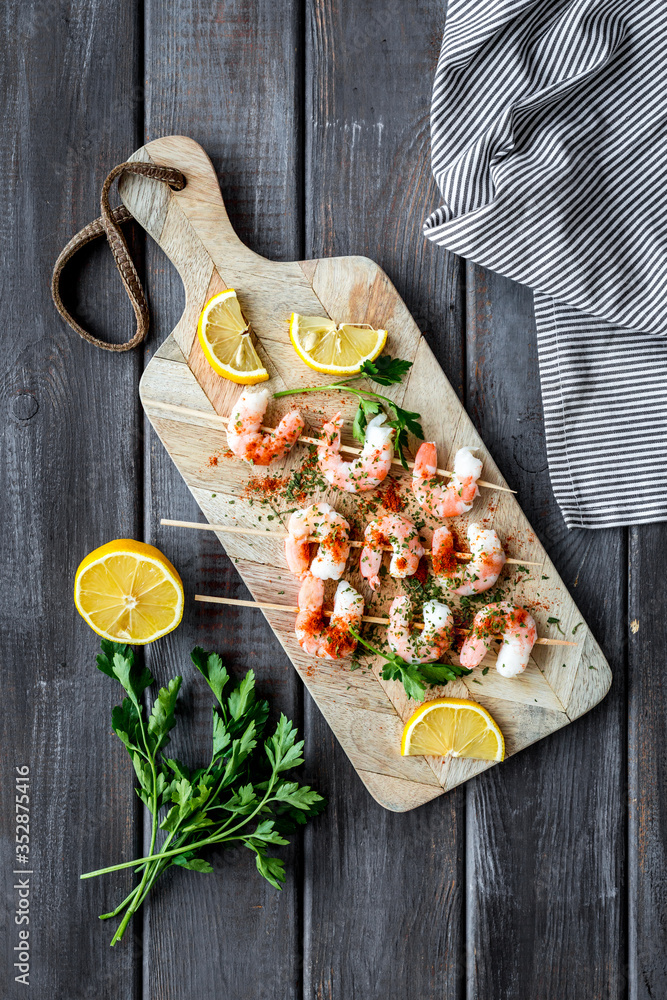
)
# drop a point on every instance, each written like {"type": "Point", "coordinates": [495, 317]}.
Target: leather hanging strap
{"type": "Point", "coordinates": [108, 225]}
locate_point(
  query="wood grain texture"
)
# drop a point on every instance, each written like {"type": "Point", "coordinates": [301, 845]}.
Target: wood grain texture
{"type": "Point", "coordinates": [647, 772]}
{"type": "Point", "coordinates": [68, 481]}
{"type": "Point", "coordinates": [224, 73]}
{"type": "Point", "coordinates": [546, 833]}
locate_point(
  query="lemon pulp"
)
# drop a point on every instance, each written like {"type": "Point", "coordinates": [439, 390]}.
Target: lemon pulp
{"type": "Point", "coordinates": [226, 341]}
{"type": "Point", "coordinates": [455, 727]}
{"type": "Point", "coordinates": [128, 591]}
{"type": "Point", "coordinates": [335, 349]}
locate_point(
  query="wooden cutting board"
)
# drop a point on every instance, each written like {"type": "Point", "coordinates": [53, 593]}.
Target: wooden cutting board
{"type": "Point", "coordinates": [182, 395]}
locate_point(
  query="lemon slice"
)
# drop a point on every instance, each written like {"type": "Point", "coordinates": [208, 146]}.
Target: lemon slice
{"type": "Point", "coordinates": [128, 591]}
{"type": "Point", "coordinates": [225, 340]}
{"type": "Point", "coordinates": [334, 349]}
{"type": "Point", "coordinates": [452, 727]}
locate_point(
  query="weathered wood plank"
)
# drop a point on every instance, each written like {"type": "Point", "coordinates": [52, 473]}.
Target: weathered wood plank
{"type": "Point", "coordinates": [227, 77]}
{"type": "Point", "coordinates": [383, 905]}
{"type": "Point", "coordinates": [70, 454]}
{"type": "Point", "coordinates": [545, 832]}
{"type": "Point", "coordinates": [647, 772]}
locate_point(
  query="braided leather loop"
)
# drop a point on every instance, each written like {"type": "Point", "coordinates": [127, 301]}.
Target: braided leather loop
{"type": "Point", "coordinates": [108, 225]}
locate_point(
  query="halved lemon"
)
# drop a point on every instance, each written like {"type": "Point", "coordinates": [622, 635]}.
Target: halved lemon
{"type": "Point", "coordinates": [225, 340]}
{"type": "Point", "coordinates": [334, 349]}
{"type": "Point", "coordinates": [452, 727]}
{"type": "Point", "coordinates": [128, 591]}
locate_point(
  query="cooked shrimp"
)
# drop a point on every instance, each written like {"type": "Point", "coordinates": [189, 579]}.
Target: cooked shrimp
{"type": "Point", "coordinates": [439, 499]}
{"type": "Point", "coordinates": [330, 528]}
{"type": "Point", "coordinates": [516, 628]}
{"type": "Point", "coordinates": [407, 550]}
{"type": "Point", "coordinates": [480, 574]}
{"type": "Point", "coordinates": [332, 641]}
{"type": "Point", "coordinates": [365, 472]}
{"type": "Point", "coordinates": [435, 639]}
{"type": "Point", "coordinates": [244, 430]}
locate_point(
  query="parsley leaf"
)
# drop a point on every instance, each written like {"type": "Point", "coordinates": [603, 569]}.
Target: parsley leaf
{"type": "Point", "coordinates": [192, 863]}
{"type": "Point", "coordinates": [404, 422]}
{"type": "Point", "coordinates": [162, 718]}
{"type": "Point", "coordinates": [367, 409]}
{"type": "Point", "coordinates": [415, 677]}
{"type": "Point", "coordinates": [386, 370]}
{"type": "Point", "coordinates": [213, 669]}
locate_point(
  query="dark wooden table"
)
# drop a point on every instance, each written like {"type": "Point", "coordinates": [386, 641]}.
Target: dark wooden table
{"type": "Point", "coordinates": [543, 878]}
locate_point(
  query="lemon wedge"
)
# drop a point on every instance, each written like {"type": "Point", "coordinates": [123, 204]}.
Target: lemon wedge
{"type": "Point", "coordinates": [226, 342]}
{"type": "Point", "coordinates": [454, 727]}
{"type": "Point", "coordinates": [334, 349]}
{"type": "Point", "coordinates": [129, 592]}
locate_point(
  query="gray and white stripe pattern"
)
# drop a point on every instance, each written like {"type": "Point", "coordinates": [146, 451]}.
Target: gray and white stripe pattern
{"type": "Point", "coordinates": [548, 124]}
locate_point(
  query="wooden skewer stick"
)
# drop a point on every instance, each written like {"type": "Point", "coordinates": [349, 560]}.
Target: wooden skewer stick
{"type": "Point", "coordinates": [232, 530]}
{"type": "Point", "coordinates": [293, 608]}
{"type": "Point", "coordinates": [215, 418]}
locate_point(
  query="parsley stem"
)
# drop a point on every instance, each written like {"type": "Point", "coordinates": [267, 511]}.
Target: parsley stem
{"type": "Point", "coordinates": [361, 393]}
{"type": "Point", "coordinates": [366, 644]}
{"type": "Point", "coordinates": [214, 839]}
{"type": "Point", "coordinates": [120, 907]}
{"type": "Point", "coordinates": [134, 902]}
{"type": "Point", "coordinates": [158, 868]}
{"type": "Point", "coordinates": [155, 857]}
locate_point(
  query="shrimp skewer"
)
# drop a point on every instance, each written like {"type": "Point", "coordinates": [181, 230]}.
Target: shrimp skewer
{"type": "Point", "coordinates": [233, 529]}
{"type": "Point", "coordinates": [369, 469]}
{"type": "Point", "coordinates": [407, 550]}
{"type": "Point", "coordinates": [332, 641]}
{"type": "Point", "coordinates": [245, 436]}
{"type": "Point", "coordinates": [457, 496]}
{"type": "Point", "coordinates": [435, 639]}
{"type": "Point", "coordinates": [480, 574]}
{"type": "Point", "coordinates": [514, 625]}
{"type": "Point", "coordinates": [212, 599]}
{"type": "Point", "coordinates": [321, 522]}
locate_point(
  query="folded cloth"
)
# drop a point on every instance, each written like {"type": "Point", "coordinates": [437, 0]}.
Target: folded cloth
{"type": "Point", "coordinates": [548, 127]}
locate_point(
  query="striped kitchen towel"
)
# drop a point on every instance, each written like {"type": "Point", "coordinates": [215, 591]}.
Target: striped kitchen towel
{"type": "Point", "coordinates": [548, 126]}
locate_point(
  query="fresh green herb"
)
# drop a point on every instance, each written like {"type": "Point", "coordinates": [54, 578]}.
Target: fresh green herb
{"type": "Point", "coordinates": [242, 796]}
{"type": "Point", "coordinates": [574, 630]}
{"type": "Point", "coordinates": [556, 622]}
{"type": "Point", "coordinates": [385, 370]}
{"type": "Point", "coordinates": [415, 677]}
{"type": "Point", "coordinates": [485, 671]}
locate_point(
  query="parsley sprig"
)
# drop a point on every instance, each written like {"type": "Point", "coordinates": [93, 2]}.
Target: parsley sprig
{"type": "Point", "coordinates": [242, 796]}
{"type": "Point", "coordinates": [385, 370]}
{"type": "Point", "coordinates": [415, 677]}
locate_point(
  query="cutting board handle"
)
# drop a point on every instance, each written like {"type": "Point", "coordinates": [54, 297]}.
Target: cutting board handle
{"type": "Point", "coordinates": [150, 203]}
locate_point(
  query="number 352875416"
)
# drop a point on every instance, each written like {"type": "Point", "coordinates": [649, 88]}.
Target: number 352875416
{"type": "Point", "coordinates": [22, 808]}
